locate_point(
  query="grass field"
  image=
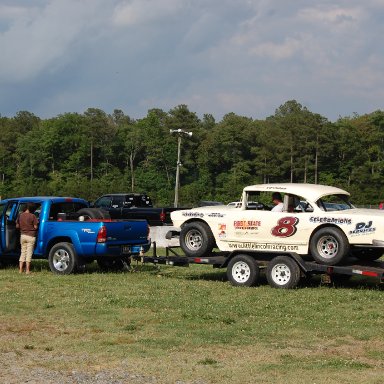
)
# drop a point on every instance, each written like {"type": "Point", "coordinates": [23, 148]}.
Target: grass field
{"type": "Point", "coordinates": [189, 325]}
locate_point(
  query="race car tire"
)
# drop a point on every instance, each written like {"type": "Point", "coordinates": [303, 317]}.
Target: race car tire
{"type": "Point", "coordinates": [329, 246]}
{"type": "Point", "coordinates": [196, 239]}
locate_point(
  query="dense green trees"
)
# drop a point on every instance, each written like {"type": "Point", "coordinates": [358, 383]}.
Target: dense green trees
{"type": "Point", "coordinates": [94, 153]}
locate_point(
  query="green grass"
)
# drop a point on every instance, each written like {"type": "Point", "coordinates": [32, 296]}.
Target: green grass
{"type": "Point", "coordinates": [190, 324]}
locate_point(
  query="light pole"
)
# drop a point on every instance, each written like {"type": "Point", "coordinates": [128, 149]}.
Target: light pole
{"type": "Point", "coordinates": [179, 132]}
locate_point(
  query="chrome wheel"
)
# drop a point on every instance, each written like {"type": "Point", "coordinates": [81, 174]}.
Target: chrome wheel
{"type": "Point", "coordinates": [61, 260]}
{"type": "Point", "coordinates": [327, 247]}
{"type": "Point", "coordinates": [193, 239]}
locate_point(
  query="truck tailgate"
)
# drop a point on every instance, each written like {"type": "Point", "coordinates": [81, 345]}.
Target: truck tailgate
{"type": "Point", "coordinates": [127, 231]}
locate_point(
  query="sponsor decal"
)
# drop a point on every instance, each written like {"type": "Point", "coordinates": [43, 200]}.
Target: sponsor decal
{"type": "Point", "coordinates": [363, 229]}
{"type": "Point", "coordinates": [222, 231]}
{"type": "Point", "coordinates": [193, 214]}
{"type": "Point", "coordinates": [247, 224]}
{"type": "Point", "coordinates": [331, 220]}
{"type": "Point", "coordinates": [264, 246]}
{"type": "Point", "coordinates": [87, 230]}
{"type": "Point", "coordinates": [216, 215]}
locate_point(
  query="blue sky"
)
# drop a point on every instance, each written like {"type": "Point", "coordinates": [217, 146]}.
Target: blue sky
{"type": "Point", "coordinates": [216, 56]}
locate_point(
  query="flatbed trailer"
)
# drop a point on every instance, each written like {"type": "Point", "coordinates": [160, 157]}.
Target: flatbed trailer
{"type": "Point", "coordinates": [282, 270]}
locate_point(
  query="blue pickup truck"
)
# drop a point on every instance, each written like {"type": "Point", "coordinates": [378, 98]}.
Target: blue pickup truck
{"type": "Point", "coordinates": [71, 234]}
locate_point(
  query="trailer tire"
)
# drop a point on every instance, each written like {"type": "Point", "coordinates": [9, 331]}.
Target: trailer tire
{"type": "Point", "coordinates": [62, 259]}
{"type": "Point", "coordinates": [329, 246]}
{"type": "Point", "coordinates": [243, 271]}
{"type": "Point", "coordinates": [283, 272]}
{"type": "Point", "coordinates": [196, 239]}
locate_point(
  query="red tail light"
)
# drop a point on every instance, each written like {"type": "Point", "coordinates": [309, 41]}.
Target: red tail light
{"type": "Point", "coordinates": [162, 216]}
{"type": "Point", "coordinates": [102, 235]}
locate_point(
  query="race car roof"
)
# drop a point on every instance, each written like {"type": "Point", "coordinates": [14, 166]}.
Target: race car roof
{"type": "Point", "coordinates": [311, 192]}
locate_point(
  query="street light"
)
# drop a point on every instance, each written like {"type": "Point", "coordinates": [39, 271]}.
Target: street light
{"type": "Point", "coordinates": [179, 132]}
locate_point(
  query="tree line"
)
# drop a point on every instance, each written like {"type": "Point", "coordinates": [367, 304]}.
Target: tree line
{"type": "Point", "coordinates": [94, 153]}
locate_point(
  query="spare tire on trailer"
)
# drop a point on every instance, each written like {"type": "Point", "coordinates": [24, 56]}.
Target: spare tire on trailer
{"type": "Point", "coordinates": [93, 213]}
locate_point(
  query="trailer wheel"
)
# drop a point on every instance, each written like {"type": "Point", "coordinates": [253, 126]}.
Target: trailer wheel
{"type": "Point", "coordinates": [62, 259]}
{"type": "Point", "coordinates": [283, 272]}
{"type": "Point", "coordinates": [329, 246]}
{"type": "Point", "coordinates": [196, 239]}
{"type": "Point", "coordinates": [243, 270]}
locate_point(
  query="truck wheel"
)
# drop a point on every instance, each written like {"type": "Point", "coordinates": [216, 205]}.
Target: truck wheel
{"type": "Point", "coordinates": [196, 239]}
{"type": "Point", "coordinates": [243, 270]}
{"type": "Point", "coordinates": [329, 246]}
{"type": "Point", "coordinates": [368, 254]}
{"type": "Point", "coordinates": [94, 213]}
{"type": "Point", "coordinates": [283, 272]}
{"type": "Point", "coordinates": [62, 259]}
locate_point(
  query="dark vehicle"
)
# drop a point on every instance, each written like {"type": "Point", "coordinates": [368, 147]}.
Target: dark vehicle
{"type": "Point", "coordinates": [134, 206]}
{"type": "Point", "coordinates": [70, 234]}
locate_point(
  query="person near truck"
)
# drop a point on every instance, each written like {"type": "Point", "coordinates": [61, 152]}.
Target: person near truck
{"type": "Point", "coordinates": [27, 223]}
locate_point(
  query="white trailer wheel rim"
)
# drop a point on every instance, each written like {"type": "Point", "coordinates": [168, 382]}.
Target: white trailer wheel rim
{"type": "Point", "coordinates": [327, 247]}
{"type": "Point", "coordinates": [193, 239]}
{"type": "Point", "coordinates": [281, 274]}
{"type": "Point", "coordinates": [241, 272]}
{"type": "Point", "coordinates": [61, 260]}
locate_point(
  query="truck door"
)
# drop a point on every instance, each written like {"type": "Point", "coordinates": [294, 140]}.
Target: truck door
{"type": "Point", "coordinates": [10, 236]}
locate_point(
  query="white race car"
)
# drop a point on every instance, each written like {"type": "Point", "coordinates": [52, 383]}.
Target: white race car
{"type": "Point", "coordinates": [316, 220]}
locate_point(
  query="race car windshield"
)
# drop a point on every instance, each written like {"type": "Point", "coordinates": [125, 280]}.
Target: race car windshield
{"type": "Point", "coordinates": [334, 203]}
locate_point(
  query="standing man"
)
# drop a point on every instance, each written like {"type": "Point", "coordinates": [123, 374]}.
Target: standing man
{"type": "Point", "coordinates": [27, 223]}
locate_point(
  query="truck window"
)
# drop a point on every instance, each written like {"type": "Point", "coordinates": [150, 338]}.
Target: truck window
{"type": "Point", "coordinates": [103, 202]}
{"type": "Point", "coordinates": [118, 201]}
{"type": "Point", "coordinates": [68, 207]}
{"type": "Point", "coordinates": [2, 208]}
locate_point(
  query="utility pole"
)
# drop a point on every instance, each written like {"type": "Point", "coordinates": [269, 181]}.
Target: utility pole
{"type": "Point", "coordinates": [179, 132]}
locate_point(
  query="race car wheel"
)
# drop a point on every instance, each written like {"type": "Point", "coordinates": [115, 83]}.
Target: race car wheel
{"type": "Point", "coordinates": [329, 246]}
{"type": "Point", "coordinates": [243, 270]}
{"type": "Point", "coordinates": [196, 239]}
{"type": "Point", "coordinates": [62, 259]}
{"type": "Point", "coordinates": [283, 272]}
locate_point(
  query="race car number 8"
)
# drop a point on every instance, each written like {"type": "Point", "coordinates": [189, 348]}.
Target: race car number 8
{"type": "Point", "coordinates": [286, 227]}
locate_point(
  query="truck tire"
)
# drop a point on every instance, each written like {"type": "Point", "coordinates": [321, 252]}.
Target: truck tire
{"type": "Point", "coordinates": [329, 246]}
{"type": "Point", "coordinates": [367, 254]}
{"type": "Point", "coordinates": [62, 259]}
{"type": "Point", "coordinates": [196, 239]}
{"type": "Point", "coordinates": [283, 272]}
{"type": "Point", "coordinates": [93, 213]}
{"type": "Point", "coordinates": [243, 271]}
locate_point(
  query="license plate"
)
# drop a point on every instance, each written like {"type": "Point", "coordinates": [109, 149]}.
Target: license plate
{"type": "Point", "coordinates": [126, 249]}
